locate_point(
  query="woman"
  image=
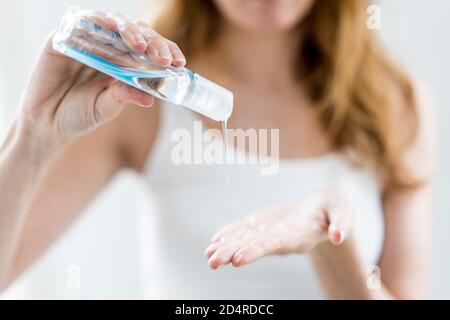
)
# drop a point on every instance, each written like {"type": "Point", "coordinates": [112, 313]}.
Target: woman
{"type": "Point", "coordinates": [352, 194]}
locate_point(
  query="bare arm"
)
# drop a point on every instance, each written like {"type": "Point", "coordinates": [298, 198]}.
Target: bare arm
{"type": "Point", "coordinates": [58, 190]}
{"type": "Point", "coordinates": [75, 175]}
{"type": "Point", "coordinates": [405, 260]}
{"type": "Point", "coordinates": [319, 224]}
{"type": "Point", "coordinates": [19, 171]}
{"type": "Point", "coordinates": [65, 145]}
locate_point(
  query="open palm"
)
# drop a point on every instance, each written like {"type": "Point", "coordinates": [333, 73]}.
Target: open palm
{"type": "Point", "coordinates": [293, 228]}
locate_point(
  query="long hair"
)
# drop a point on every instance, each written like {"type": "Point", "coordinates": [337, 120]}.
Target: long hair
{"type": "Point", "coordinates": [358, 92]}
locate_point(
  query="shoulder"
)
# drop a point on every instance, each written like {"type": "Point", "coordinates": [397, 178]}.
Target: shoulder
{"type": "Point", "coordinates": [421, 154]}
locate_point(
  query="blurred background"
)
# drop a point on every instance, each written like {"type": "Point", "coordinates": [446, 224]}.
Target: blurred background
{"type": "Point", "coordinates": [97, 257]}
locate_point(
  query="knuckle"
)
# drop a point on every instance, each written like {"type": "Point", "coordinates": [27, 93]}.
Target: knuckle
{"type": "Point", "coordinates": [172, 44]}
{"type": "Point", "coordinates": [175, 48]}
{"type": "Point", "coordinates": [141, 25]}
{"type": "Point", "coordinates": [153, 39]}
{"type": "Point", "coordinates": [160, 42]}
{"type": "Point", "coordinates": [152, 48]}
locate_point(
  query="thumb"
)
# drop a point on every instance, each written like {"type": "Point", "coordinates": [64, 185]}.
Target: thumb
{"type": "Point", "coordinates": [340, 215]}
{"type": "Point", "coordinates": [114, 97]}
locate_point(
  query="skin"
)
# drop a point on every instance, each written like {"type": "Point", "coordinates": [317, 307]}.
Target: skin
{"type": "Point", "coordinates": [68, 141]}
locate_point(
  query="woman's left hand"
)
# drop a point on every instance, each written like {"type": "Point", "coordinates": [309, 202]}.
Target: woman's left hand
{"type": "Point", "coordinates": [295, 228]}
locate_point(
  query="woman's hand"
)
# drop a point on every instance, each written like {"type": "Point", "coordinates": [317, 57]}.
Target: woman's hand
{"type": "Point", "coordinates": [295, 228]}
{"type": "Point", "coordinates": [65, 98]}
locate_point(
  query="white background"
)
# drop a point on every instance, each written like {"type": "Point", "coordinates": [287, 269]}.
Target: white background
{"type": "Point", "coordinates": [100, 250]}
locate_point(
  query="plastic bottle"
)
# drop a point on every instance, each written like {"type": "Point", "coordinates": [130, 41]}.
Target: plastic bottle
{"type": "Point", "coordinates": [105, 51]}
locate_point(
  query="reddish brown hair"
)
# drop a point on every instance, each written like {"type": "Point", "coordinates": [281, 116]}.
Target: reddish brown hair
{"type": "Point", "coordinates": [358, 91]}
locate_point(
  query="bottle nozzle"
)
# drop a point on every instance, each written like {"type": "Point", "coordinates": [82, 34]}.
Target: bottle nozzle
{"type": "Point", "coordinates": [210, 99]}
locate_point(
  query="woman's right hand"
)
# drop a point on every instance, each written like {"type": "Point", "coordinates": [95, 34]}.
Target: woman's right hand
{"type": "Point", "coordinates": [65, 98]}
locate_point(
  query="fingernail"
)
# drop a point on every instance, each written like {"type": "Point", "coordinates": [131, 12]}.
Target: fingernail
{"type": "Point", "coordinates": [180, 57]}
{"type": "Point", "coordinates": [338, 237]}
{"type": "Point", "coordinates": [147, 102]}
{"type": "Point", "coordinates": [342, 237]}
{"type": "Point", "coordinates": [112, 23]}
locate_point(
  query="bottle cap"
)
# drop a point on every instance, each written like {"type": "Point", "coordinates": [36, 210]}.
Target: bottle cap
{"type": "Point", "coordinates": [210, 99]}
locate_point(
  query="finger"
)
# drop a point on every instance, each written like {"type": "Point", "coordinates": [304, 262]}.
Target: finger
{"type": "Point", "coordinates": [229, 229]}
{"type": "Point", "coordinates": [159, 51]}
{"type": "Point", "coordinates": [60, 63]}
{"type": "Point", "coordinates": [115, 96]}
{"type": "Point", "coordinates": [212, 248]}
{"type": "Point", "coordinates": [178, 58]}
{"type": "Point", "coordinates": [100, 18]}
{"type": "Point", "coordinates": [262, 246]}
{"type": "Point", "coordinates": [158, 48]}
{"type": "Point", "coordinates": [224, 254]}
{"type": "Point", "coordinates": [253, 223]}
{"type": "Point", "coordinates": [341, 215]}
{"type": "Point", "coordinates": [237, 233]}
{"type": "Point", "coordinates": [241, 236]}
{"type": "Point", "coordinates": [129, 95]}
{"type": "Point", "coordinates": [146, 31]}
{"type": "Point", "coordinates": [103, 50]}
{"type": "Point", "coordinates": [130, 33]}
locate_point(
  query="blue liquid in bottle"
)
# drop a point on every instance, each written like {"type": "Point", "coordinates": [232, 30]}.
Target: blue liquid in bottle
{"type": "Point", "coordinates": [79, 38]}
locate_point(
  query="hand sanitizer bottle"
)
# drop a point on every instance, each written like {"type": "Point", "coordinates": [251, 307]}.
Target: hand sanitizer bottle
{"type": "Point", "coordinates": [105, 51]}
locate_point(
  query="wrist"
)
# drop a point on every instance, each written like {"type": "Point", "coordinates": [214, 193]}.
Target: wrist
{"type": "Point", "coordinates": [34, 141]}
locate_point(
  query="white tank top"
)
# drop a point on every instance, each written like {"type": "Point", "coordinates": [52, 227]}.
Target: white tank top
{"type": "Point", "coordinates": [192, 202]}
